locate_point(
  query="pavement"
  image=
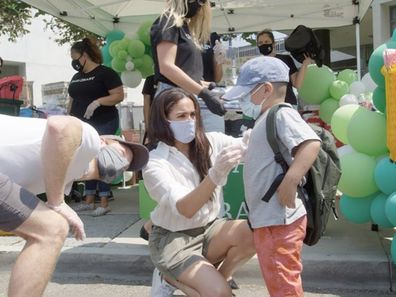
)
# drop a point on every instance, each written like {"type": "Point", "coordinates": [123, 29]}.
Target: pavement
{"type": "Point", "coordinates": [348, 255]}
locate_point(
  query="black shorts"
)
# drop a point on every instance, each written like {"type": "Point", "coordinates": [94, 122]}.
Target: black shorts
{"type": "Point", "coordinates": [16, 204]}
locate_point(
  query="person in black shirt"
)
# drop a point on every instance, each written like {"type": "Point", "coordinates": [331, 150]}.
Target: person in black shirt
{"type": "Point", "coordinates": [177, 37]}
{"type": "Point", "coordinates": [148, 92]}
{"type": "Point", "coordinates": [213, 58]}
{"type": "Point", "coordinates": [266, 44]}
{"type": "Point", "coordinates": [94, 91]}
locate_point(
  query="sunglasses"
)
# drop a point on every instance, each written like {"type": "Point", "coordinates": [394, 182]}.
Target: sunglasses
{"type": "Point", "coordinates": [200, 2]}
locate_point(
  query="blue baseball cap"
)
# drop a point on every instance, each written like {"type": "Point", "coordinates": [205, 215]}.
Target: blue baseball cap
{"type": "Point", "coordinates": [256, 71]}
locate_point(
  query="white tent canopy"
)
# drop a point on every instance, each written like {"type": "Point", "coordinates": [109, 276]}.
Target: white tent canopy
{"type": "Point", "coordinates": [102, 16]}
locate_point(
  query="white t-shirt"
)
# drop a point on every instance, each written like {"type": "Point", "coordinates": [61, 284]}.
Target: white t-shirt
{"type": "Point", "coordinates": [260, 168]}
{"type": "Point", "coordinates": [169, 176]}
{"type": "Point", "coordinates": [20, 152]}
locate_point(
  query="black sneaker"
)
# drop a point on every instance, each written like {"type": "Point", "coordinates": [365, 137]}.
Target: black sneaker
{"type": "Point", "coordinates": [233, 284]}
{"type": "Point", "coordinates": [144, 234]}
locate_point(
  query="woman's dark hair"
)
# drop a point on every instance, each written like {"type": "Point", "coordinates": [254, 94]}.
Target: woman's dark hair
{"type": "Point", "coordinates": [88, 45]}
{"type": "Point", "coordinates": [267, 32]}
{"type": "Point", "coordinates": [159, 128]}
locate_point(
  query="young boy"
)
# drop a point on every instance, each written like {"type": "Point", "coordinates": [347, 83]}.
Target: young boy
{"type": "Point", "coordinates": [278, 225]}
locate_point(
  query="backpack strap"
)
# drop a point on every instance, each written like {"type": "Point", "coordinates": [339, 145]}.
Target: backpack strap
{"type": "Point", "coordinates": [272, 138]}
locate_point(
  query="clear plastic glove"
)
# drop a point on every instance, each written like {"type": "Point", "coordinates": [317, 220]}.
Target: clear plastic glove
{"type": "Point", "coordinates": [212, 101]}
{"type": "Point", "coordinates": [76, 225]}
{"type": "Point", "coordinates": [246, 137]}
{"type": "Point", "coordinates": [228, 158]}
{"type": "Point", "coordinates": [91, 108]}
{"type": "Point", "coordinates": [220, 52]}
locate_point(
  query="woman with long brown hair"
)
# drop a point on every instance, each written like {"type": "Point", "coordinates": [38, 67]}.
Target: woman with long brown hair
{"type": "Point", "coordinates": [185, 175]}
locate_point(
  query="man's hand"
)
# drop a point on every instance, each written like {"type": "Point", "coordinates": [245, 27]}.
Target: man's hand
{"type": "Point", "coordinates": [91, 108]}
{"type": "Point", "coordinates": [76, 225]}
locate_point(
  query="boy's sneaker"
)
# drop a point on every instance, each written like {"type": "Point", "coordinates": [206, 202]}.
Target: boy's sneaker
{"type": "Point", "coordinates": [84, 207]}
{"type": "Point", "coordinates": [100, 211]}
{"type": "Point", "coordinates": [160, 287]}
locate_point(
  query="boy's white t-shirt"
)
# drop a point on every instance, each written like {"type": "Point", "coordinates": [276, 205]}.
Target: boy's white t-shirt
{"type": "Point", "coordinates": [20, 152]}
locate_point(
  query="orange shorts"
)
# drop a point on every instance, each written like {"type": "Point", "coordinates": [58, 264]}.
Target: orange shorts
{"type": "Point", "coordinates": [279, 254]}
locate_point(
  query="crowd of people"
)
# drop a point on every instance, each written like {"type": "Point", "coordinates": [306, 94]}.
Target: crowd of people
{"type": "Point", "coordinates": [192, 247]}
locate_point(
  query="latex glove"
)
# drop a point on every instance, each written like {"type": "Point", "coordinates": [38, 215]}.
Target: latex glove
{"type": "Point", "coordinates": [228, 158]}
{"type": "Point", "coordinates": [76, 225]}
{"type": "Point", "coordinates": [246, 137]}
{"type": "Point", "coordinates": [212, 101]}
{"type": "Point", "coordinates": [91, 108]}
{"type": "Point", "coordinates": [220, 52]}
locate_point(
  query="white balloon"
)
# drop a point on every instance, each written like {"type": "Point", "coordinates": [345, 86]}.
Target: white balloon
{"type": "Point", "coordinates": [129, 65]}
{"type": "Point", "coordinates": [345, 150]}
{"type": "Point", "coordinates": [368, 82]}
{"type": "Point", "coordinates": [356, 88]}
{"type": "Point", "coordinates": [131, 78]}
{"type": "Point", "coordinates": [348, 99]}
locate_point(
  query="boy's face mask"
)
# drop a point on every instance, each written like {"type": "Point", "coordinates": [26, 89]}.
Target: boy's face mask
{"type": "Point", "coordinates": [248, 107]}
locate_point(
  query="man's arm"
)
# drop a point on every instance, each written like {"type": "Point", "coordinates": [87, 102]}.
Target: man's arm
{"type": "Point", "coordinates": [61, 139]}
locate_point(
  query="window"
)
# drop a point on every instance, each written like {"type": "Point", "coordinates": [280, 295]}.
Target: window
{"type": "Point", "coordinates": [392, 18]}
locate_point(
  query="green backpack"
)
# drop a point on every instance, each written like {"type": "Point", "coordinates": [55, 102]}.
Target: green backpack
{"type": "Point", "coordinates": [319, 192]}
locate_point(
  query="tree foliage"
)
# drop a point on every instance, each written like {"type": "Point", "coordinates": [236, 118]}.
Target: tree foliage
{"type": "Point", "coordinates": [16, 17]}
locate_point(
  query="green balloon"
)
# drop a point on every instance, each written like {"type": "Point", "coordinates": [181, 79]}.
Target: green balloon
{"type": "Point", "coordinates": [144, 32]}
{"type": "Point", "coordinates": [390, 209]}
{"type": "Point", "coordinates": [385, 176]}
{"type": "Point", "coordinates": [136, 48]}
{"type": "Point", "coordinates": [348, 76]}
{"type": "Point", "coordinates": [340, 120]}
{"type": "Point", "coordinates": [327, 109]}
{"type": "Point", "coordinates": [379, 99]}
{"type": "Point", "coordinates": [138, 62]}
{"type": "Point", "coordinates": [375, 64]}
{"type": "Point", "coordinates": [338, 89]}
{"type": "Point", "coordinates": [315, 87]}
{"type": "Point", "coordinates": [114, 47]}
{"type": "Point", "coordinates": [118, 64]}
{"type": "Point", "coordinates": [377, 211]}
{"type": "Point", "coordinates": [356, 209]}
{"type": "Point", "coordinates": [114, 35]}
{"type": "Point", "coordinates": [366, 132]}
{"type": "Point", "coordinates": [106, 55]}
{"type": "Point", "coordinates": [122, 54]}
{"type": "Point", "coordinates": [357, 178]}
{"type": "Point", "coordinates": [147, 71]}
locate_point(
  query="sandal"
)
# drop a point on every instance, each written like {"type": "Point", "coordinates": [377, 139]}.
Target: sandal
{"type": "Point", "coordinates": [100, 211]}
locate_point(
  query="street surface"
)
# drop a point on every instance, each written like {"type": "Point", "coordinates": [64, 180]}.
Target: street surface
{"type": "Point", "coordinates": [65, 285]}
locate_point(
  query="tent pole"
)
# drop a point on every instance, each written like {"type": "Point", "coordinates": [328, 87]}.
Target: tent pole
{"type": "Point", "coordinates": [357, 30]}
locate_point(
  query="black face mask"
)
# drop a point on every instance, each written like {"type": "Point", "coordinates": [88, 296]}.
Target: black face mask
{"type": "Point", "coordinates": [265, 49]}
{"type": "Point", "coordinates": [77, 65]}
{"type": "Point", "coordinates": [192, 9]}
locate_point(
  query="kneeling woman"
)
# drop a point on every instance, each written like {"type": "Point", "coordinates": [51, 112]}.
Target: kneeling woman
{"type": "Point", "coordinates": [191, 248]}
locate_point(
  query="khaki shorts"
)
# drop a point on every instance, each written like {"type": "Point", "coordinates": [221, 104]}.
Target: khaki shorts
{"type": "Point", "coordinates": [16, 204]}
{"type": "Point", "coordinates": [173, 252]}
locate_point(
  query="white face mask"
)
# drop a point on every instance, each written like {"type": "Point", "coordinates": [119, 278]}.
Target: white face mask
{"type": "Point", "coordinates": [184, 131]}
{"type": "Point", "coordinates": [248, 107]}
